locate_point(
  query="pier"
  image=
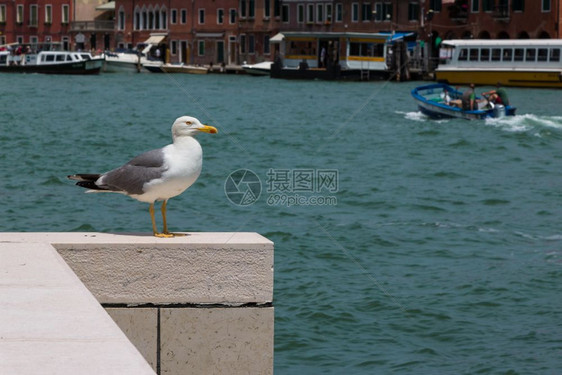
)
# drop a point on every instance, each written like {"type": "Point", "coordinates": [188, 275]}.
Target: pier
{"type": "Point", "coordinates": [202, 303]}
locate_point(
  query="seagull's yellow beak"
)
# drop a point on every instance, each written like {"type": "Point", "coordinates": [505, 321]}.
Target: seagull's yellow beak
{"type": "Point", "coordinates": [208, 129]}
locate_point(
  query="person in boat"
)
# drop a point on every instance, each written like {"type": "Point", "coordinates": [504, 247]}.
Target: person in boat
{"type": "Point", "coordinates": [468, 99]}
{"type": "Point", "coordinates": [446, 97]}
{"type": "Point", "coordinates": [497, 96]}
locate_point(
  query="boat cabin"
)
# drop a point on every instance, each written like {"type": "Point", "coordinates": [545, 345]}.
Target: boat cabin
{"type": "Point", "coordinates": [524, 53]}
{"type": "Point", "coordinates": [352, 51]}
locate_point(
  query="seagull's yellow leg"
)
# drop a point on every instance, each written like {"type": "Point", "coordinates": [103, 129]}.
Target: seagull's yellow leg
{"type": "Point", "coordinates": [165, 227]}
{"type": "Point", "coordinates": [165, 223]}
{"type": "Point", "coordinates": [154, 229]}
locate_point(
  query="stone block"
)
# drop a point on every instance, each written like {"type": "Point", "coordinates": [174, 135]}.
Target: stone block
{"type": "Point", "coordinates": [217, 341]}
{"type": "Point", "coordinates": [140, 325]}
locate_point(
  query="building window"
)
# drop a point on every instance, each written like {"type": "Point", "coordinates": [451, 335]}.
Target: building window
{"type": "Point", "coordinates": [276, 8]}
{"type": "Point", "coordinates": [48, 14]}
{"type": "Point", "coordinates": [339, 12]}
{"type": "Point", "coordinates": [310, 13]}
{"type": "Point", "coordinates": [242, 8]}
{"type": "Point", "coordinates": [435, 5]}
{"type": "Point", "coordinates": [266, 9]}
{"type": "Point", "coordinates": [251, 44]}
{"type": "Point", "coordinates": [136, 24]}
{"type": "Point", "coordinates": [378, 12]}
{"type": "Point", "coordinates": [242, 43]}
{"type": "Point", "coordinates": [174, 16]}
{"type": "Point", "coordinates": [174, 47]}
{"type": "Point", "coordinates": [201, 48]}
{"type": "Point", "coordinates": [300, 13]}
{"type": "Point", "coordinates": [183, 16]}
{"type": "Point", "coordinates": [220, 16]}
{"type": "Point", "coordinates": [121, 19]}
{"type": "Point", "coordinates": [163, 19]}
{"type": "Point", "coordinates": [413, 11]}
{"type": "Point", "coordinates": [354, 12]}
{"type": "Point", "coordinates": [201, 16]}
{"type": "Point", "coordinates": [518, 5]}
{"type": "Point", "coordinates": [285, 13]}
{"type": "Point", "coordinates": [546, 5]}
{"type": "Point", "coordinates": [487, 5]}
{"type": "Point", "coordinates": [33, 15]}
{"type": "Point", "coordinates": [266, 47]}
{"type": "Point", "coordinates": [19, 14]}
{"type": "Point", "coordinates": [366, 12]}
{"type": "Point", "coordinates": [157, 18]}
{"type": "Point", "coordinates": [319, 13]}
{"type": "Point", "coordinates": [252, 9]}
{"type": "Point", "coordinates": [328, 13]}
{"type": "Point", "coordinates": [150, 20]}
{"type": "Point", "coordinates": [474, 8]}
{"type": "Point", "coordinates": [3, 14]}
{"type": "Point", "coordinates": [65, 13]}
{"type": "Point", "coordinates": [387, 11]}
{"type": "Point", "coordinates": [232, 16]}
{"type": "Point", "coordinates": [33, 40]}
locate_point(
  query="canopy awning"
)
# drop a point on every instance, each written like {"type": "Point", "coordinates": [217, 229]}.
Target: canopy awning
{"type": "Point", "coordinates": [397, 36]}
{"type": "Point", "coordinates": [277, 38]}
{"type": "Point", "coordinates": [155, 39]}
{"type": "Point", "coordinates": [107, 6]}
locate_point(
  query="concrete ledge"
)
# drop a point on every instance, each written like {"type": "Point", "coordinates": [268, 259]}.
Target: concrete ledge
{"type": "Point", "coordinates": [195, 304]}
{"type": "Point", "coordinates": [200, 268]}
{"type": "Point", "coordinates": [51, 324]}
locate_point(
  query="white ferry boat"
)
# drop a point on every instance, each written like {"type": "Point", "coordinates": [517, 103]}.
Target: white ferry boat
{"type": "Point", "coordinates": [50, 62]}
{"type": "Point", "coordinates": [521, 62]}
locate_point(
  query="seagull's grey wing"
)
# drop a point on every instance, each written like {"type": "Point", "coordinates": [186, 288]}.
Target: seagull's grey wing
{"type": "Point", "coordinates": [131, 177]}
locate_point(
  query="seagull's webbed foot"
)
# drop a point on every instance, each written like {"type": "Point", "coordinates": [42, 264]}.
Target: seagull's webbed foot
{"type": "Point", "coordinates": [164, 235]}
{"type": "Point", "coordinates": [171, 234]}
{"type": "Point", "coordinates": [165, 222]}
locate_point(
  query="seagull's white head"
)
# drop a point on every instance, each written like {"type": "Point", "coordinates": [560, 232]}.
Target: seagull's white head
{"type": "Point", "coordinates": [187, 126]}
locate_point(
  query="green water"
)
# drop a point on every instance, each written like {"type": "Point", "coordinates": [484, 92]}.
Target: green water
{"type": "Point", "coordinates": [441, 253]}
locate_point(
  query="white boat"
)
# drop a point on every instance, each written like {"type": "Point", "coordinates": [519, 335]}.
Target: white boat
{"type": "Point", "coordinates": [126, 62]}
{"type": "Point", "coordinates": [259, 69]}
{"type": "Point", "coordinates": [49, 62]}
{"type": "Point", "coordinates": [181, 68]}
{"type": "Point", "coordinates": [521, 62]}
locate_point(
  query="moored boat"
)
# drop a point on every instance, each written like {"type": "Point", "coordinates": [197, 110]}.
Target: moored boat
{"type": "Point", "coordinates": [49, 62]}
{"type": "Point", "coordinates": [259, 69]}
{"type": "Point", "coordinates": [181, 68]}
{"type": "Point", "coordinates": [433, 101]}
{"type": "Point", "coordinates": [522, 62]}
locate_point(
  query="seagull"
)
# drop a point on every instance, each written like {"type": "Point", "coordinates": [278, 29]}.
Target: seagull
{"type": "Point", "coordinates": [156, 175]}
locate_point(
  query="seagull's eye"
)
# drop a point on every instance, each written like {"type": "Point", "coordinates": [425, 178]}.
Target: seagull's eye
{"type": "Point", "coordinates": [188, 122]}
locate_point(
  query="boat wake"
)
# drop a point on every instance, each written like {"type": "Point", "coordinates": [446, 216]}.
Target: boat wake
{"type": "Point", "coordinates": [527, 123]}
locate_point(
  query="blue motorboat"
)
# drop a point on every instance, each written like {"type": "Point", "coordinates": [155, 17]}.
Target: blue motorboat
{"type": "Point", "coordinates": [439, 100]}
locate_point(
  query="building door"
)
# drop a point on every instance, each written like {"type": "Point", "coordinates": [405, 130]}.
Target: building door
{"type": "Point", "coordinates": [184, 53]}
{"type": "Point", "coordinates": [93, 41]}
{"type": "Point", "coordinates": [106, 40]}
{"type": "Point", "coordinates": [220, 52]}
{"type": "Point", "coordinates": [232, 50]}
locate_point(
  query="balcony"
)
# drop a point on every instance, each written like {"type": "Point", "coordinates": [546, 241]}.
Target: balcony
{"type": "Point", "coordinates": [106, 25]}
{"type": "Point", "coordinates": [501, 13]}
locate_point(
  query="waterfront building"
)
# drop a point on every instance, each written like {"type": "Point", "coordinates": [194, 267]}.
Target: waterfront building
{"type": "Point", "coordinates": [237, 31]}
